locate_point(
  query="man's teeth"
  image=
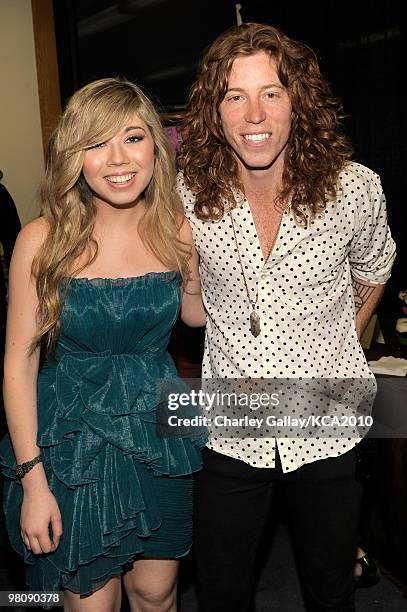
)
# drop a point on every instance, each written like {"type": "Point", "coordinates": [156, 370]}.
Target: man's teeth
{"type": "Point", "coordinates": [120, 179]}
{"type": "Point", "coordinates": [257, 137]}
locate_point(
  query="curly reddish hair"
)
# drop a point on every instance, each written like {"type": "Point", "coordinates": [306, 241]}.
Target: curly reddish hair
{"type": "Point", "coordinates": [317, 149]}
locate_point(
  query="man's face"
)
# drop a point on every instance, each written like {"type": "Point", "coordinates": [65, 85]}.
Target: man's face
{"type": "Point", "coordinates": [256, 113]}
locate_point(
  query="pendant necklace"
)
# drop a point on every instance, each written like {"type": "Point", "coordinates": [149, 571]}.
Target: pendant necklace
{"type": "Point", "coordinates": [254, 315]}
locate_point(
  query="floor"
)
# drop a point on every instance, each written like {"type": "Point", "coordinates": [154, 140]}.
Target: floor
{"type": "Point", "coordinates": [278, 588]}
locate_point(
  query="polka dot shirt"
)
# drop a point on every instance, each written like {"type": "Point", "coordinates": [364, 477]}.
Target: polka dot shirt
{"type": "Point", "coordinates": [305, 302]}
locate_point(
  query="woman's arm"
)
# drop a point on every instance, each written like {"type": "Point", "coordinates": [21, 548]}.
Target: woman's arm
{"type": "Point", "coordinates": [20, 394]}
{"type": "Point", "coordinates": [192, 310]}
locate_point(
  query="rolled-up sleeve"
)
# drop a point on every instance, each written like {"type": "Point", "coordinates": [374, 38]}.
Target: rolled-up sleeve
{"type": "Point", "coordinates": [373, 249]}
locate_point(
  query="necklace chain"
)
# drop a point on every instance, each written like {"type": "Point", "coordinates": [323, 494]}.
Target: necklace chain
{"type": "Point", "coordinates": [254, 315]}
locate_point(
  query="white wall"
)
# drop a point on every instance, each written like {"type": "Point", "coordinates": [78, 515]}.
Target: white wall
{"type": "Point", "coordinates": [21, 153]}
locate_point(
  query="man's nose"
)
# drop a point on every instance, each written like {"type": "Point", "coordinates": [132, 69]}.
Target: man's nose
{"type": "Point", "coordinates": [255, 112]}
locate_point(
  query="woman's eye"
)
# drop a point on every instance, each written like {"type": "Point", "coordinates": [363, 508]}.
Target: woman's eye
{"type": "Point", "coordinates": [97, 146]}
{"type": "Point", "coordinates": [134, 138]}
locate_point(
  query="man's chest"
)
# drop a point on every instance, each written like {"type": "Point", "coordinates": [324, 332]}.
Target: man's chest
{"type": "Point", "coordinates": [267, 221]}
{"type": "Point", "coordinates": [304, 261]}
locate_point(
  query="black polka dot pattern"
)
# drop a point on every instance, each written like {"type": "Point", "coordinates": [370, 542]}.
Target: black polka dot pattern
{"type": "Point", "coordinates": [305, 300]}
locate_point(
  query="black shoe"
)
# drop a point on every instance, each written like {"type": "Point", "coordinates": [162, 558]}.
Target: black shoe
{"type": "Point", "coordinates": [370, 573]}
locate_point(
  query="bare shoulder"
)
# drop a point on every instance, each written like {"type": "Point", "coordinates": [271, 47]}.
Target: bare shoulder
{"type": "Point", "coordinates": [35, 231]}
{"type": "Point", "coordinates": [29, 241]}
{"type": "Point", "coordinates": [33, 234]}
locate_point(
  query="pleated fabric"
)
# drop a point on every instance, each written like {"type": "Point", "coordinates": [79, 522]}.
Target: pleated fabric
{"type": "Point", "coordinates": [122, 491]}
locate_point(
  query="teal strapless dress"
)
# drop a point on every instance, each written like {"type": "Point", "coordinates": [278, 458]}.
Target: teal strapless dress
{"type": "Point", "coordinates": [122, 491]}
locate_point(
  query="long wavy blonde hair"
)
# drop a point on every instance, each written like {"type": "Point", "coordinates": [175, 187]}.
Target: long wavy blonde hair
{"type": "Point", "coordinates": [94, 114]}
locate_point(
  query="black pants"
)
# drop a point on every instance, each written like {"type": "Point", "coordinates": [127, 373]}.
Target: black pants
{"type": "Point", "coordinates": [232, 501]}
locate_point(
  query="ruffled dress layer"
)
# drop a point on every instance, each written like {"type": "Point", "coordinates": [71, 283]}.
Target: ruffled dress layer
{"type": "Point", "coordinates": [123, 492]}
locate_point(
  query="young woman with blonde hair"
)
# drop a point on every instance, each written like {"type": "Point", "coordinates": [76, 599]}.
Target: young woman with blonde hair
{"type": "Point", "coordinates": [96, 285]}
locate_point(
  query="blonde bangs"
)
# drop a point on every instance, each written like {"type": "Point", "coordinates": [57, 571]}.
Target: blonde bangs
{"type": "Point", "coordinates": [102, 113]}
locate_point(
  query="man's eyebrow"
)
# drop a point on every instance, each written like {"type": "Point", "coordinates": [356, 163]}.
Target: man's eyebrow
{"type": "Point", "coordinates": [264, 87]}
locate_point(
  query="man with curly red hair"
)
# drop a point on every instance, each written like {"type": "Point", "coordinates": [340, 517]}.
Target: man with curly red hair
{"type": "Point", "coordinates": [294, 254]}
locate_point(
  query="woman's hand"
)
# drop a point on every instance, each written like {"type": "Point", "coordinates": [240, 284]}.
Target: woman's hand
{"type": "Point", "coordinates": [38, 510]}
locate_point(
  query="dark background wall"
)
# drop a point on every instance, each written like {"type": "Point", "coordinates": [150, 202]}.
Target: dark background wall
{"type": "Point", "coordinates": [361, 47]}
